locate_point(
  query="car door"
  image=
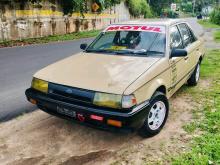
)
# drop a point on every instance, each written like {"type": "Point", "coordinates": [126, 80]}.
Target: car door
{"type": "Point", "coordinates": [178, 65]}
{"type": "Point", "coordinates": [190, 43]}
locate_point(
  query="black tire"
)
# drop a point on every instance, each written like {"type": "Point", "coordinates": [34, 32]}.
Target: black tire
{"type": "Point", "coordinates": [146, 131]}
{"type": "Point", "coordinates": [193, 80]}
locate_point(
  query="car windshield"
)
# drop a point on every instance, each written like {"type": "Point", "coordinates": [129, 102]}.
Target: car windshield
{"type": "Point", "coordinates": [145, 41]}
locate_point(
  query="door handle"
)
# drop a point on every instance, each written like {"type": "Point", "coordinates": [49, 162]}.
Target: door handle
{"type": "Point", "coordinates": [186, 58]}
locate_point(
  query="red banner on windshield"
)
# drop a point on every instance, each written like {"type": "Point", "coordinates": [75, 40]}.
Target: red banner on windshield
{"type": "Point", "coordinates": [156, 29]}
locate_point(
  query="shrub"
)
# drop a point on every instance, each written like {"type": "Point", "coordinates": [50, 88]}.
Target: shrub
{"type": "Point", "coordinates": [139, 8]}
{"type": "Point", "coordinates": [169, 13]}
{"type": "Point", "coordinates": [215, 16]}
{"type": "Point", "coordinates": [145, 9]}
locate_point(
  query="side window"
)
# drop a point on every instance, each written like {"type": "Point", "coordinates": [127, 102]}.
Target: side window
{"type": "Point", "coordinates": [192, 35]}
{"type": "Point", "coordinates": [185, 33]}
{"type": "Point", "coordinates": [175, 38]}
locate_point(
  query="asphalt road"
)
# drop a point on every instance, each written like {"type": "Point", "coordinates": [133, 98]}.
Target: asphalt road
{"type": "Point", "coordinates": [18, 64]}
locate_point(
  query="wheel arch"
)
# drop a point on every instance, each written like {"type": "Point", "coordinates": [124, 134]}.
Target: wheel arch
{"type": "Point", "coordinates": [162, 89]}
{"type": "Point", "coordinates": [147, 91]}
{"type": "Point", "coordinates": [200, 59]}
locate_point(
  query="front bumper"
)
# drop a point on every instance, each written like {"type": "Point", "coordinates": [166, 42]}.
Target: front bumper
{"type": "Point", "coordinates": [130, 120]}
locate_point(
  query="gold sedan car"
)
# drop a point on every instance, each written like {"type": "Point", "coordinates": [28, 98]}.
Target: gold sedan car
{"type": "Point", "coordinates": [124, 78]}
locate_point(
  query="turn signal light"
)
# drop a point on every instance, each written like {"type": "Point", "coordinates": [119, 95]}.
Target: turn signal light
{"type": "Point", "coordinates": [33, 101]}
{"type": "Point", "coordinates": [114, 123]}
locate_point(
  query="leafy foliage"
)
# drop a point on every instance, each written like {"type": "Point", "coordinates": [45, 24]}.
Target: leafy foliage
{"type": "Point", "coordinates": [187, 6]}
{"type": "Point", "coordinates": [215, 16]}
{"type": "Point", "coordinates": [158, 6]}
{"type": "Point", "coordinates": [70, 6]}
{"type": "Point", "coordinates": [138, 8]}
{"type": "Point", "coordinates": [106, 3]}
{"type": "Point", "coordinates": [207, 24]}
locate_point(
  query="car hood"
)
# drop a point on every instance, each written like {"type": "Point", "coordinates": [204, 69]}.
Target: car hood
{"type": "Point", "coordinates": [97, 72]}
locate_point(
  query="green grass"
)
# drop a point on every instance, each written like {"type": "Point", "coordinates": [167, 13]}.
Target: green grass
{"type": "Point", "coordinates": [52, 38]}
{"type": "Point", "coordinates": [217, 36]}
{"type": "Point", "coordinates": [208, 24]}
{"type": "Point", "coordinates": [205, 148]}
{"type": "Point", "coordinates": [191, 127]}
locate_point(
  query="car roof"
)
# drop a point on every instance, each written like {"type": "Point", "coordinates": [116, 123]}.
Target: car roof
{"type": "Point", "coordinates": [159, 22]}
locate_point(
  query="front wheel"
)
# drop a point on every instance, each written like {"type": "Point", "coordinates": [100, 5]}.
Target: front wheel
{"type": "Point", "coordinates": [156, 115]}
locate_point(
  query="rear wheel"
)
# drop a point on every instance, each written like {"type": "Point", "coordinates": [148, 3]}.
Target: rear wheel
{"type": "Point", "coordinates": [194, 79]}
{"type": "Point", "coordinates": [156, 116]}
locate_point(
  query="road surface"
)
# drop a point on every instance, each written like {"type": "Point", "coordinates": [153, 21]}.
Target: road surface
{"type": "Point", "coordinates": [18, 64]}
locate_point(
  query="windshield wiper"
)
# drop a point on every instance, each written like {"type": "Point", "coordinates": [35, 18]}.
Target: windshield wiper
{"type": "Point", "coordinates": [126, 51]}
{"type": "Point", "coordinates": [99, 51]}
{"type": "Point", "coordinates": [153, 52]}
{"type": "Point", "coordinates": [130, 51]}
{"type": "Point", "coordinates": [141, 52]}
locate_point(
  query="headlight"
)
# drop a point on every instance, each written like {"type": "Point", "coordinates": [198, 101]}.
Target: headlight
{"type": "Point", "coordinates": [107, 100]}
{"type": "Point", "coordinates": [114, 101]}
{"type": "Point", "coordinates": [40, 85]}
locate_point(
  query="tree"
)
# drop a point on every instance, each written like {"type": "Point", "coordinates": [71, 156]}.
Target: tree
{"type": "Point", "coordinates": [195, 6]}
{"type": "Point", "coordinates": [139, 8]}
{"type": "Point", "coordinates": [158, 6]}
{"type": "Point", "coordinates": [70, 6]}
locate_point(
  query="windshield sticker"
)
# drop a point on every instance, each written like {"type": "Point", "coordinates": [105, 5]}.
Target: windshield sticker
{"type": "Point", "coordinates": [117, 48]}
{"type": "Point", "coordinates": [156, 29]}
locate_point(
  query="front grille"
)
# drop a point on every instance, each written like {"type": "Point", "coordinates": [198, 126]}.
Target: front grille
{"type": "Point", "coordinates": [75, 96]}
{"type": "Point", "coordinates": [70, 94]}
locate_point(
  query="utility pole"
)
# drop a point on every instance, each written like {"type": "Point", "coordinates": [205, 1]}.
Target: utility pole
{"type": "Point", "coordinates": [194, 4]}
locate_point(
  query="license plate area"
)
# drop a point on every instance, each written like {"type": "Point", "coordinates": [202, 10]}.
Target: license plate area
{"type": "Point", "coordinates": [66, 111]}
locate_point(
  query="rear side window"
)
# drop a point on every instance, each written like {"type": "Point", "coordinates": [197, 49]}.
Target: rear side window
{"type": "Point", "coordinates": [175, 38]}
{"type": "Point", "coordinates": [192, 35]}
{"type": "Point", "coordinates": [186, 34]}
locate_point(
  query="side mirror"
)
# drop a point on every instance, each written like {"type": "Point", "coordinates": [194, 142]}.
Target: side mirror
{"type": "Point", "coordinates": [83, 46]}
{"type": "Point", "coordinates": [178, 53]}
